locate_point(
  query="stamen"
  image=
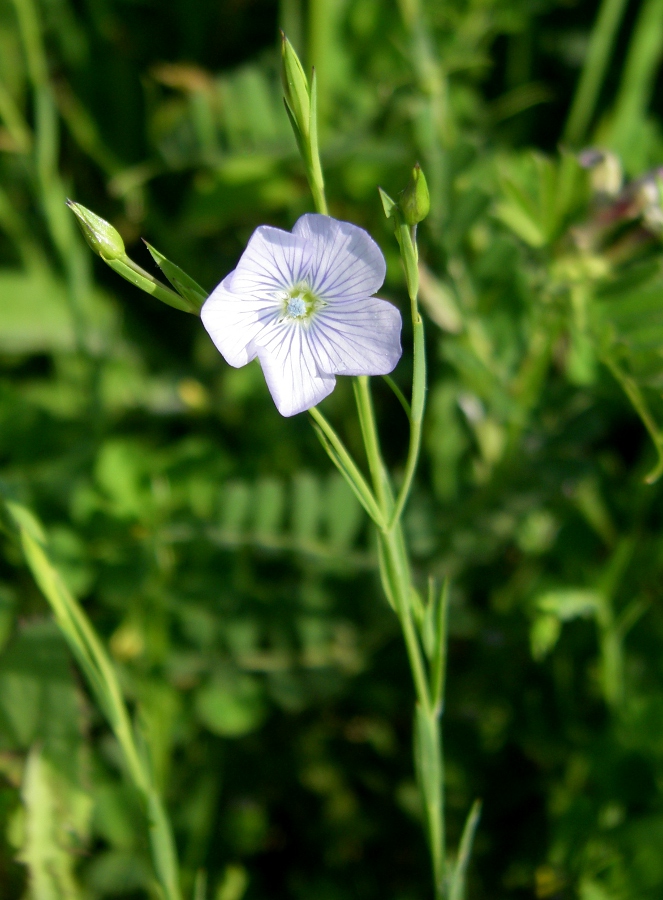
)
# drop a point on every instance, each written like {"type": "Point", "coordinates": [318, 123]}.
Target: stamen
{"type": "Point", "coordinates": [296, 307]}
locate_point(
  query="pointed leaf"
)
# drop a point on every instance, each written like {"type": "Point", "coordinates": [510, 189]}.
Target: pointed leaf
{"type": "Point", "coordinates": [183, 283]}
{"type": "Point", "coordinates": [458, 879]}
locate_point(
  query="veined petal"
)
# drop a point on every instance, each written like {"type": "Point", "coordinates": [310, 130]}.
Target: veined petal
{"type": "Point", "coordinates": [356, 337]}
{"type": "Point", "coordinates": [273, 261]}
{"type": "Point", "coordinates": [347, 264]}
{"type": "Point", "coordinates": [290, 369]}
{"type": "Point", "coordinates": [234, 322]}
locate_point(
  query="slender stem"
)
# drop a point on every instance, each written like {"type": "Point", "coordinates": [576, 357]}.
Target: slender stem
{"type": "Point", "coordinates": [415, 656]}
{"type": "Point", "coordinates": [348, 468]}
{"type": "Point", "coordinates": [593, 71]}
{"type": "Point", "coordinates": [314, 169]}
{"type": "Point", "coordinates": [634, 394]}
{"type": "Point", "coordinates": [136, 275]}
{"type": "Point", "coordinates": [398, 393]}
{"type": "Point", "coordinates": [381, 484]}
{"type": "Point", "coordinates": [416, 419]}
{"type": "Point", "coordinates": [379, 503]}
{"type": "Point", "coordinates": [393, 542]}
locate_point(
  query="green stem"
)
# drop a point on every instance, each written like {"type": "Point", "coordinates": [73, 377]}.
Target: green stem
{"type": "Point", "coordinates": [398, 393]}
{"type": "Point", "coordinates": [428, 739]}
{"type": "Point", "coordinates": [416, 419]}
{"type": "Point", "coordinates": [634, 394]}
{"type": "Point", "coordinates": [136, 275]}
{"type": "Point", "coordinates": [593, 72]}
{"type": "Point", "coordinates": [379, 474]}
{"type": "Point", "coordinates": [347, 467]}
{"type": "Point", "coordinates": [314, 169]}
{"type": "Point", "coordinates": [379, 503]}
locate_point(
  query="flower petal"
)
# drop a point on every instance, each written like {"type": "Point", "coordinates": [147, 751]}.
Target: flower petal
{"type": "Point", "coordinates": [356, 337]}
{"type": "Point", "coordinates": [347, 264]}
{"type": "Point", "coordinates": [290, 369]}
{"type": "Point", "coordinates": [234, 322]}
{"type": "Point", "coordinates": [274, 260]}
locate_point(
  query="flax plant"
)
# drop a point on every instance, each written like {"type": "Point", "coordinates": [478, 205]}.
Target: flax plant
{"type": "Point", "coordinates": [423, 623]}
{"type": "Point", "coordinates": [232, 323]}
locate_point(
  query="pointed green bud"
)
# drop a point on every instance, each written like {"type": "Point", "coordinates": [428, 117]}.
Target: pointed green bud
{"type": "Point", "coordinates": [295, 87]}
{"type": "Point", "coordinates": [100, 234]}
{"type": "Point", "coordinates": [415, 202]}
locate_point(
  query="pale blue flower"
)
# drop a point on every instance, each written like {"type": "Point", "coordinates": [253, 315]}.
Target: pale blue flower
{"type": "Point", "coordinates": [302, 304]}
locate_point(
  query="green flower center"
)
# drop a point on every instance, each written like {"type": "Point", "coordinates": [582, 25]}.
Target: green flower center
{"type": "Point", "coordinates": [299, 303]}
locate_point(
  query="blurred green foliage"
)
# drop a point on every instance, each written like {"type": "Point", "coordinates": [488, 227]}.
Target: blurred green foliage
{"type": "Point", "coordinates": [233, 575]}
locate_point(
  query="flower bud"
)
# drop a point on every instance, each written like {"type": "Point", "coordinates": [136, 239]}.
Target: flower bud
{"type": "Point", "coordinates": [650, 199]}
{"type": "Point", "coordinates": [100, 234]}
{"type": "Point", "coordinates": [605, 169]}
{"type": "Point", "coordinates": [295, 86]}
{"type": "Point", "coordinates": [415, 202]}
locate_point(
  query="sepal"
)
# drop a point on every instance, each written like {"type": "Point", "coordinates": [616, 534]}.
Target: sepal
{"type": "Point", "coordinates": [105, 240]}
{"type": "Point", "coordinates": [415, 202]}
{"type": "Point", "coordinates": [295, 88]}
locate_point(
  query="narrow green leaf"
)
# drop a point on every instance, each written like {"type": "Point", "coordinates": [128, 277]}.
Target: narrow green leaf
{"type": "Point", "coordinates": [27, 521]}
{"type": "Point", "coordinates": [183, 283]}
{"type": "Point", "coordinates": [516, 217]}
{"type": "Point", "coordinates": [458, 879]}
{"type": "Point", "coordinates": [428, 755]}
{"type": "Point", "coordinates": [388, 204]}
{"type": "Point", "coordinates": [439, 615]}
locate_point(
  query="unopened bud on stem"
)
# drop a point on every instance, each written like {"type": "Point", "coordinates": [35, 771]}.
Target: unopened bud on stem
{"type": "Point", "coordinates": [295, 87]}
{"type": "Point", "coordinates": [105, 240]}
{"type": "Point", "coordinates": [415, 202]}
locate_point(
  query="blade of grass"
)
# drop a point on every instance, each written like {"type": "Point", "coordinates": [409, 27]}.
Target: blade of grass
{"type": "Point", "coordinates": [101, 674]}
{"type": "Point", "coordinates": [601, 43]}
{"type": "Point", "coordinates": [637, 84]}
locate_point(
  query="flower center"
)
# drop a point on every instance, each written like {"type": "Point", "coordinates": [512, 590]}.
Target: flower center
{"type": "Point", "coordinates": [296, 307]}
{"type": "Point", "coordinates": [299, 303]}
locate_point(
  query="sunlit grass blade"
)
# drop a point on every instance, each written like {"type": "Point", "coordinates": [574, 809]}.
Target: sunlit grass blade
{"type": "Point", "coordinates": [593, 72]}
{"type": "Point", "coordinates": [635, 91]}
{"type": "Point", "coordinates": [101, 675]}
